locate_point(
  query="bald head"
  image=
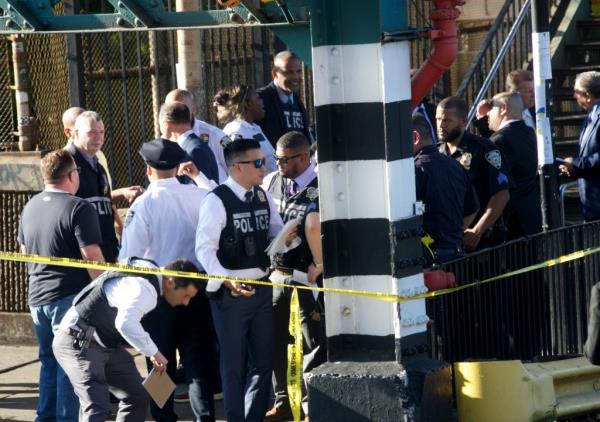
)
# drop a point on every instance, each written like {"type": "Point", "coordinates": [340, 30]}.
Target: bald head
{"type": "Point", "coordinates": [68, 120]}
{"type": "Point", "coordinates": [182, 96]}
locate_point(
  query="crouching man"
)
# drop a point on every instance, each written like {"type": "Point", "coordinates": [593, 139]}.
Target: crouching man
{"type": "Point", "coordinates": [89, 344]}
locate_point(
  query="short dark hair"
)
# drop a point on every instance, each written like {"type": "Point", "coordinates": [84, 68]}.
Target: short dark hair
{"type": "Point", "coordinates": [56, 165]}
{"type": "Point", "coordinates": [590, 82]}
{"type": "Point", "coordinates": [187, 266]}
{"type": "Point", "coordinates": [285, 55]}
{"type": "Point", "coordinates": [294, 140]}
{"type": "Point", "coordinates": [420, 125]}
{"type": "Point", "coordinates": [456, 103]}
{"type": "Point", "coordinates": [235, 150]}
{"type": "Point", "coordinates": [175, 112]}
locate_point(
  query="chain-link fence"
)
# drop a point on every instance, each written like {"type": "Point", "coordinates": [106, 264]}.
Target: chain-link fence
{"type": "Point", "coordinates": [125, 77]}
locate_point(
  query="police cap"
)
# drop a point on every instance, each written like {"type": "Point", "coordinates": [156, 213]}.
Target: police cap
{"type": "Point", "coordinates": [162, 154]}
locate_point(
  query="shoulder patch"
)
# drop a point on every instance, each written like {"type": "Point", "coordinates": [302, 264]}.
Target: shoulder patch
{"type": "Point", "coordinates": [129, 218]}
{"type": "Point", "coordinates": [494, 158]}
{"type": "Point", "coordinates": [261, 196]}
{"type": "Point", "coordinates": [312, 193]}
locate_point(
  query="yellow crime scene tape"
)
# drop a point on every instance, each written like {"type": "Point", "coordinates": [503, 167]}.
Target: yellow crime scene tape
{"type": "Point", "coordinates": [295, 352]}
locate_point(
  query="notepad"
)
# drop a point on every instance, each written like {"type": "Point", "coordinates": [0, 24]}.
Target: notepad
{"type": "Point", "coordinates": [160, 387]}
{"type": "Point", "coordinates": [277, 245]}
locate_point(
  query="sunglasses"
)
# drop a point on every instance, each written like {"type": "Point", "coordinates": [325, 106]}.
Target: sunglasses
{"type": "Point", "coordinates": [284, 160]}
{"type": "Point", "coordinates": [257, 163]}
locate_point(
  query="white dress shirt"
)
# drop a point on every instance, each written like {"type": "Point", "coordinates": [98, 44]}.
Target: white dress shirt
{"type": "Point", "coordinates": [133, 297]}
{"type": "Point", "coordinates": [211, 223]}
{"type": "Point", "coordinates": [215, 136]}
{"type": "Point", "coordinates": [243, 129]}
{"type": "Point", "coordinates": [161, 223]}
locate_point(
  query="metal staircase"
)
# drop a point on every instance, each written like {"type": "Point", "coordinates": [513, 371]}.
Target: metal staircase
{"type": "Point", "coordinates": [581, 54]}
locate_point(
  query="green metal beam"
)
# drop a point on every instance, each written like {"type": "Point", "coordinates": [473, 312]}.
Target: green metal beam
{"type": "Point", "coordinates": [37, 16]}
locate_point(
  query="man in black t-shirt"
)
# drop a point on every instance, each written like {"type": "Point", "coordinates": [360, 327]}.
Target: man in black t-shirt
{"type": "Point", "coordinates": [69, 228]}
{"type": "Point", "coordinates": [94, 186]}
{"type": "Point", "coordinates": [283, 110]}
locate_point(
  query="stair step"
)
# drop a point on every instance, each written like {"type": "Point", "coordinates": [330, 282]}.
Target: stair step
{"type": "Point", "coordinates": [590, 22]}
{"type": "Point", "coordinates": [573, 70]}
{"type": "Point", "coordinates": [584, 44]}
{"type": "Point", "coordinates": [568, 119]}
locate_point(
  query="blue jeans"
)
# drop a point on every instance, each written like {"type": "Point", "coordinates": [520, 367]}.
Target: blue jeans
{"type": "Point", "coordinates": [57, 401]}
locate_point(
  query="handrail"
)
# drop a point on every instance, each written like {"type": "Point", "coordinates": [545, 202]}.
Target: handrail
{"type": "Point", "coordinates": [476, 63]}
{"type": "Point", "coordinates": [492, 72]}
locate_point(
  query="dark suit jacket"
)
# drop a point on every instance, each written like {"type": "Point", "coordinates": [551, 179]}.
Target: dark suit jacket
{"type": "Point", "coordinates": [586, 166]}
{"type": "Point", "coordinates": [202, 156]}
{"type": "Point", "coordinates": [273, 124]}
{"type": "Point", "coordinates": [591, 349]}
{"type": "Point", "coordinates": [518, 145]}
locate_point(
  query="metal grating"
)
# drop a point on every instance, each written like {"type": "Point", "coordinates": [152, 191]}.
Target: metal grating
{"type": "Point", "coordinates": [13, 275]}
{"type": "Point", "coordinates": [7, 111]}
{"type": "Point", "coordinates": [530, 316]}
{"type": "Point", "coordinates": [49, 87]}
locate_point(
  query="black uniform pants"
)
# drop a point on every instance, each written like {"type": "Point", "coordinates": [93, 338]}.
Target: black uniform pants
{"type": "Point", "coordinates": [190, 330]}
{"type": "Point", "coordinates": [312, 316]}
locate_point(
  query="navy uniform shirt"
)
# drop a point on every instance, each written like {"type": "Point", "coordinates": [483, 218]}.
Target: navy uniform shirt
{"type": "Point", "coordinates": [483, 160]}
{"type": "Point", "coordinates": [445, 189]}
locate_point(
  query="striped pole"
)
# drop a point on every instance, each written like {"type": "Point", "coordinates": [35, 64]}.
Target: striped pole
{"type": "Point", "coordinates": [369, 214]}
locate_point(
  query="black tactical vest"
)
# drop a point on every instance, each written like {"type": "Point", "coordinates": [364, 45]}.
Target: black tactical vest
{"type": "Point", "coordinates": [245, 236]}
{"type": "Point", "coordinates": [291, 207]}
{"type": "Point", "coordinates": [94, 309]}
{"type": "Point", "coordinates": [94, 187]}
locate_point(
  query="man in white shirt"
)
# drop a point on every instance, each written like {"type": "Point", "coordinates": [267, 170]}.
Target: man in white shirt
{"type": "Point", "coordinates": [236, 222]}
{"type": "Point", "coordinates": [161, 226]}
{"type": "Point", "coordinates": [89, 343]}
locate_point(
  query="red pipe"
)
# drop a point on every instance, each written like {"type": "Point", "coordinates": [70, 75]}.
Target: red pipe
{"type": "Point", "coordinates": [444, 36]}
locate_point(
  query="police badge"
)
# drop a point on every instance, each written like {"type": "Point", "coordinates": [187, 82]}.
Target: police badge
{"type": "Point", "coordinates": [261, 196]}
{"type": "Point", "coordinates": [494, 158]}
{"type": "Point", "coordinates": [204, 137]}
{"type": "Point", "coordinates": [312, 193]}
{"type": "Point", "coordinates": [465, 160]}
{"type": "Point", "coordinates": [129, 218]}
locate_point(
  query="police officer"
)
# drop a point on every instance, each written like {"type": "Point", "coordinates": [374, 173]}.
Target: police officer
{"type": "Point", "coordinates": [294, 189]}
{"type": "Point", "coordinates": [482, 159]}
{"type": "Point", "coordinates": [161, 226]}
{"type": "Point", "coordinates": [236, 221]}
{"type": "Point", "coordinates": [445, 188]}
{"type": "Point", "coordinates": [94, 186]}
{"type": "Point", "coordinates": [89, 344]}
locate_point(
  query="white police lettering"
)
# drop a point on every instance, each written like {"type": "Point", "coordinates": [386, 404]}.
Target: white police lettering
{"type": "Point", "coordinates": [250, 222]}
{"type": "Point", "coordinates": [102, 204]}
{"type": "Point", "coordinates": [261, 218]}
{"type": "Point", "coordinates": [294, 211]}
{"type": "Point", "coordinates": [293, 120]}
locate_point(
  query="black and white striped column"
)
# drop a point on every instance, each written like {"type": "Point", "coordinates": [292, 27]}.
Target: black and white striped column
{"type": "Point", "coordinates": [366, 175]}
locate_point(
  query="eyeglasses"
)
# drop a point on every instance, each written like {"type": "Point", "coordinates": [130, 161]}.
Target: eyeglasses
{"type": "Point", "coordinates": [284, 160]}
{"type": "Point", "coordinates": [579, 92]}
{"type": "Point", "coordinates": [257, 163]}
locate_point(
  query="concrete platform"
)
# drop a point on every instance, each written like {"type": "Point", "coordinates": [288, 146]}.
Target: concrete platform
{"type": "Point", "coordinates": [19, 372]}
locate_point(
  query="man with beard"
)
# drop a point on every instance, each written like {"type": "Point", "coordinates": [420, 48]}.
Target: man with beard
{"type": "Point", "coordinates": [294, 189]}
{"type": "Point", "coordinates": [482, 159]}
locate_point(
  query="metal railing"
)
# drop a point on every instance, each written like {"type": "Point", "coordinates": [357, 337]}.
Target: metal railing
{"type": "Point", "coordinates": [506, 47]}
{"type": "Point", "coordinates": [529, 316]}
